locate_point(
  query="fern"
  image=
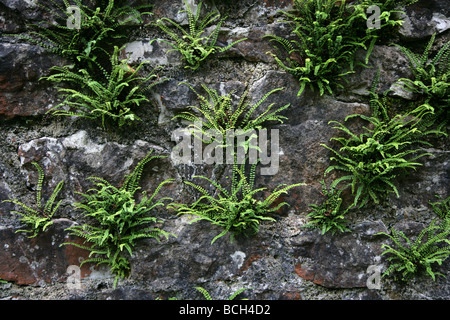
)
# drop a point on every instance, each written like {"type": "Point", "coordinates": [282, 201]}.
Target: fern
{"type": "Point", "coordinates": [121, 220]}
{"type": "Point", "coordinates": [207, 296]}
{"type": "Point", "coordinates": [431, 81]}
{"type": "Point", "coordinates": [329, 215]}
{"type": "Point", "coordinates": [219, 116]}
{"type": "Point", "coordinates": [235, 210]}
{"type": "Point", "coordinates": [372, 160]}
{"type": "Point", "coordinates": [325, 40]}
{"type": "Point", "coordinates": [99, 28]}
{"type": "Point", "coordinates": [442, 208]}
{"type": "Point", "coordinates": [409, 258]}
{"type": "Point", "coordinates": [325, 36]}
{"type": "Point", "coordinates": [193, 45]}
{"type": "Point", "coordinates": [112, 97]}
{"type": "Point", "coordinates": [38, 217]}
{"type": "Point", "coordinates": [389, 13]}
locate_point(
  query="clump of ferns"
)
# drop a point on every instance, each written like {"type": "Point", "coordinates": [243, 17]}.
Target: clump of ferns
{"type": "Point", "coordinates": [324, 43]}
{"type": "Point", "coordinates": [218, 114]}
{"type": "Point", "coordinates": [38, 217]}
{"type": "Point", "coordinates": [120, 218]}
{"type": "Point", "coordinates": [324, 38]}
{"type": "Point", "coordinates": [410, 257]}
{"type": "Point", "coordinates": [108, 96]}
{"type": "Point", "coordinates": [194, 45]}
{"type": "Point", "coordinates": [442, 208]}
{"type": "Point", "coordinates": [237, 210]}
{"type": "Point", "coordinates": [387, 148]}
{"type": "Point", "coordinates": [431, 81]}
{"type": "Point", "coordinates": [329, 216]}
{"type": "Point", "coordinates": [82, 32]}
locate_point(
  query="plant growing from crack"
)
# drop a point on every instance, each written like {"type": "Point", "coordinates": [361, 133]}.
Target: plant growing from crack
{"type": "Point", "coordinates": [109, 96]}
{"type": "Point", "coordinates": [329, 216]}
{"type": "Point", "coordinates": [431, 81]}
{"type": "Point", "coordinates": [409, 257]}
{"type": "Point", "coordinates": [388, 147]}
{"type": "Point", "coordinates": [39, 216]}
{"type": "Point", "coordinates": [194, 45]}
{"type": "Point", "coordinates": [95, 31]}
{"type": "Point", "coordinates": [236, 210]}
{"type": "Point", "coordinates": [121, 220]}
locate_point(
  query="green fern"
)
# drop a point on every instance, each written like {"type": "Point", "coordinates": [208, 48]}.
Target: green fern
{"type": "Point", "coordinates": [99, 28]}
{"type": "Point", "coordinates": [373, 159]}
{"type": "Point", "coordinates": [218, 114]}
{"type": "Point", "coordinates": [193, 44]}
{"type": "Point", "coordinates": [325, 40]}
{"type": "Point", "coordinates": [390, 13]}
{"type": "Point", "coordinates": [329, 216]}
{"type": "Point", "coordinates": [112, 97]}
{"type": "Point", "coordinates": [38, 217]}
{"type": "Point", "coordinates": [408, 258]}
{"type": "Point", "coordinates": [431, 81]}
{"type": "Point", "coordinates": [325, 36]}
{"type": "Point", "coordinates": [121, 220]}
{"type": "Point", "coordinates": [236, 210]}
{"type": "Point", "coordinates": [388, 147]}
{"type": "Point", "coordinates": [442, 208]}
{"type": "Point", "coordinates": [207, 296]}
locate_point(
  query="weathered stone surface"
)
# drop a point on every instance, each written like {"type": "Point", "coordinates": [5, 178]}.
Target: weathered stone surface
{"type": "Point", "coordinates": [391, 63]}
{"type": "Point", "coordinates": [156, 53]}
{"type": "Point", "coordinates": [77, 157]}
{"type": "Point", "coordinates": [255, 48]}
{"type": "Point", "coordinates": [425, 18]}
{"type": "Point", "coordinates": [21, 93]}
{"type": "Point", "coordinates": [339, 261]}
{"type": "Point", "coordinates": [40, 260]}
{"type": "Point", "coordinates": [28, 9]}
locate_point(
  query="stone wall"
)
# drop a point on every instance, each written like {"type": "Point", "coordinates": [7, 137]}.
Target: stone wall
{"type": "Point", "coordinates": [284, 260]}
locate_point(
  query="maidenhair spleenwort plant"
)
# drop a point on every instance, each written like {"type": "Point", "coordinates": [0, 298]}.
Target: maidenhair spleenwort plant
{"type": "Point", "coordinates": [194, 44]}
{"type": "Point", "coordinates": [110, 96]}
{"type": "Point", "coordinates": [120, 220]}
{"type": "Point", "coordinates": [236, 210]}
{"type": "Point", "coordinates": [389, 18]}
{"type": "Point", "coordinates": [217, 114]}
{"type": "Point", "coordinates": [329, 216]}
{"type": "Point", "coordinates": [207, 296]}
{"type": "Point", "coordinates": [39, 217]}
{"type": "Point", "coordinates": [431, 80]}
{"type": "Point", "coordinates": [441, 208]}
{"type": "Point", "coordinates": [325, 41]}
{"type": "Point", "coordinates": [83, 31]}
{"type": "Point", "coordinates": [325, 36]}
{"type": "Point", "coordinates": [409, 257]}
{"type": "Point", "coordinates": [373, 159]}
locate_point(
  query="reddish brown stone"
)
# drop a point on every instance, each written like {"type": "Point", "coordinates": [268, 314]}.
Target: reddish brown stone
{"type": "Point", "coordinates": [308, 275]}
{"type": "Point", "coordinates": [30, 261]}
{"type": "Point", "coordinates": [291, 296]}
{"type": "Point", "coordinates": [249, 262]}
